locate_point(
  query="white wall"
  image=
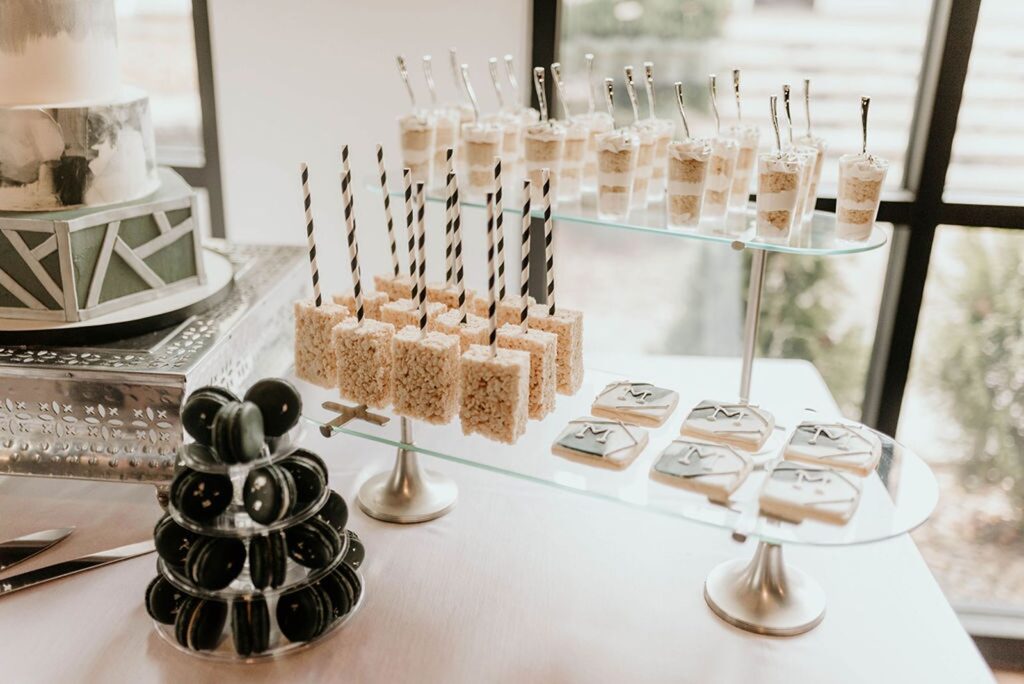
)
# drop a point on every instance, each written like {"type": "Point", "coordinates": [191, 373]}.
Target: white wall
{"type": "Point", "coordinates": [293, 85]}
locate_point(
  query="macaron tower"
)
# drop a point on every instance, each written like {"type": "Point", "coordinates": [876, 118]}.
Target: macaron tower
{"type": "Point", "coordinates": [425, 370]}
{"type": "Point", "coordinates": [255, 560]}
{"type": "Point", "coordinates": [495, 381]}
{"type": "Point", "coordinates": [362, 345]}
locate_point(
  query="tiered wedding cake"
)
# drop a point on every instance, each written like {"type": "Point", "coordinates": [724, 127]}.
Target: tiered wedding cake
{"type": "Point", "coordinates": [88, 224]}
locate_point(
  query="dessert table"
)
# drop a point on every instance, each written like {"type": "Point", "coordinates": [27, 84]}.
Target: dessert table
{"type": "Point", "coordinates": [519, 583]}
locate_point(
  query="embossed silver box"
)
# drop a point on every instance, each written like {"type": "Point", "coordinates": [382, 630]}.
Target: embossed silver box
{"type": "Point", "coordinates": [111, 411]}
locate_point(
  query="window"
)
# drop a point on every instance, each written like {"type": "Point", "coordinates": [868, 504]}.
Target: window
{"type": "Point", "coordinates": [847, 49]}
{"type": "Point", "coordinates": [158, 54]}
{"type": "Point", "coordinates": [988, 151]}
{"type": "Point", "coordinates": [964, 412]}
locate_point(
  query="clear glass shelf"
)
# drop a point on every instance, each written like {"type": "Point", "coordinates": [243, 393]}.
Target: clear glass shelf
{"type": "Point", "coordinates": [817, 237]}
{"type": "Point", "coordinates": [897, 497]}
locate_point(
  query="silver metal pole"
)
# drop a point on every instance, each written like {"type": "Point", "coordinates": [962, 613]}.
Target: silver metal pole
{"type": "Point", "coordinates": [758, 265]}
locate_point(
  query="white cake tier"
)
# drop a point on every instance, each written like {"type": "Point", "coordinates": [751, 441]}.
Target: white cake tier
{"type": "Point", "coordinates": [58, 51]}
{"type": "Point", "coordinates": [60, 157]}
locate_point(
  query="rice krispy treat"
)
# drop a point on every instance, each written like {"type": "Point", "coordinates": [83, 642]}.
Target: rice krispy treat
{"type": "Point", "coordinates": [474, 331]}
{"type": "Point", "coordinates": [447, 295]}
{"type": "Point", "coordinates": [425, 375]}
{"type": "Point", "coordinates": [495, 393]}
{"type": "Point", "coordinates": [314, 358]}
{"type": "Point", "coordinates": [407, 312]}
{"type": "Point", "coordinates": [395, 287]}
{"type": "Point", "coordinates": [542, 347]}
{"type": "Point", "coordinates": [372, 301]}
{"type": "Point", "coordinates": [363, 355]}
{"type": "Point", "coordinates": [567, 324]}
{"type": "Point", "coordinates": [509, 309]}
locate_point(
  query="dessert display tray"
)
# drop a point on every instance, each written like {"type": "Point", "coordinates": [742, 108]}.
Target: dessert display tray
{"type": "Point", "coordinates": [816, 238]}
{"type": "Point", "coordinates": [898, 496]}
{"type": "Point", "coordinates": [111, 411]}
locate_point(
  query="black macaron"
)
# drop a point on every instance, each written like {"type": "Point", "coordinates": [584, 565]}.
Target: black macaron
{"type": "Point", "coordinates": [250, 625]}
{"type": "Point", "coordinates": [201, 496]}
{"type": "Point", "coordinates": [313, 543]}
{"type": "Point", "coordinates": [195, 453]}
{"type": "Point", "coordinates": [352, 579]}
{"type": "Point", "coordinates": [312, 459]}
{"type": "Point", "coordinates": [163, 600]}
{"type": "Point", "coordinates": [279, 403]}
{"type": "Point", "coordinates": [338, 592]}
{"type": "Point", "coordinates": [302, 614]}
{"type": "Point", "coordinates": [173, 541]}
{"type": "Point", "coordinates": [268, 494]}
{"type": "Point", "coordinates": [215, 562]}
{"type": "Point", "coordinates": [308, 478]}
{"type": "Point", "coordinates": [199, 410]}
{"type": "Point", "coordinates": [268, 560]}
{"type": "Point", "coordinates": [334, 512]}
{"type": "Point", "coordinates": [200, 623]}
{"type": "Point", "coordinates": [238, 432]}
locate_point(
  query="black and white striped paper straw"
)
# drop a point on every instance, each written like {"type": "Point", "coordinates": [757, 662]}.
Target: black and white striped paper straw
{"type": "Point", "coordinates": [310, 238]}
{"type": "Point", "coordinates": [460, 284]}
{"type": "Point", "coordinates": [492, 308]}
{"type": "Point", "coordinates": [549, 257]}
{"type": "Point", "coordinates": [410, 228]}
{"type": "Point", "coordinates": [421, 254]}
{"type": "Point", "coordinates": [387, 209]}
{"type": "Point", "coordinates": [350, 232]}
{"type": "Point", "coordinates": [524, 273]}
{"type": "Point", "coordinates": [449, 220]}
{"type": "Point", "coordinates": [499, 228]}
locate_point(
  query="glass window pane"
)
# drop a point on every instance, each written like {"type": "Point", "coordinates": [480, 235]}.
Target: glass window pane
{"type": "Point", "coordinates": [688, 298]}
{"type": "Point", "coordinates": [988, 150]}
{"type": "Point", "coordinates": [847, 49]}
{"type": "Point", "coordinates": [158, 54]}
{"type": "Point", "coordinates": [964, 413]}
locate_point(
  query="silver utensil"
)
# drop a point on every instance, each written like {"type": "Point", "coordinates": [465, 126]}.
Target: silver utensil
{"type": "Point", "coordinates": [14, 551]}
{"type": "Point", "coordinates": [31, 578]}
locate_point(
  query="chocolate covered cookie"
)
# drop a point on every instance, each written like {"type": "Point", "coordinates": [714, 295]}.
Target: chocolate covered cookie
{"type": "Point", "coordinates": [200, 623]}
{"type": "Point", "coordinates": [214, 562]}
{"type": "Point", "coordinates": [313, 543]}
{"type": "Point", "coordinates": [268, 494]}
{"type": "Point", "coordinates": [308, 477]}
{"type": "Point", "coordinates": [237, 432]}
{"type": "Point", "coordinates": [163, 600]}
{"type": "Point", "coordinates": [279, 403]}
{"type": "Point", "coordinates": [250, 625]}
{"type": "Point", "coordinates": [172, 541]}
{"type": "Point", "coordinates": [302, 614]}
{"type": "Point", "coordinates": [201, 496]}
{"type": "Point", "coordinates": [334, 512]}
{"type": "Point", "coordinates": [199, 410]}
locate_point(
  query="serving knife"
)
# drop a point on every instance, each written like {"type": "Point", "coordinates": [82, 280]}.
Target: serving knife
{"type": "Point", "coordinates": [74, 566]}
{"type": "Point", "coordinates": [17, 550]}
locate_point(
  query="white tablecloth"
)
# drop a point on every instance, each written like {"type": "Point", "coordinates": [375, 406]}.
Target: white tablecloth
{"type": "Point", "coordinates": [519, 583]}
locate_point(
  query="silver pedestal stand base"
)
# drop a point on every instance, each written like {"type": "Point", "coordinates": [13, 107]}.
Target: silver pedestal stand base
{"type": "Point", "coordinates": [765, 595]}
{"type": "Point", "coordinates": [408, 493]}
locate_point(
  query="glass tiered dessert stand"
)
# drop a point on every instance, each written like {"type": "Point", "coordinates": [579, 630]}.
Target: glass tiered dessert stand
{"type": "Point", "coordinates": [762, 594]}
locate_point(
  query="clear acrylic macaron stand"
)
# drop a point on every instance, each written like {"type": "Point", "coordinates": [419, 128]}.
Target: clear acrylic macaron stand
{"type": "Point", "coordinates": [763, 594]}
{"type": "Point", "coordinates": [236, 523]}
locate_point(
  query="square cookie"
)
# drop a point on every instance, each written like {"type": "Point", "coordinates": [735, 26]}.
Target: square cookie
{"type": "Point", "coordinates": [714, 470]}
{"type": "Point", "coordinates": [596, 441]}
{"type": "Point", "coordinates": [854, 448]}
{"type": "Point", "coordinates": [639, 403]}
{"type": "Point", "coordinates": [797, 492]}
{"type": "Point", "coordinates": [741, 425]}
